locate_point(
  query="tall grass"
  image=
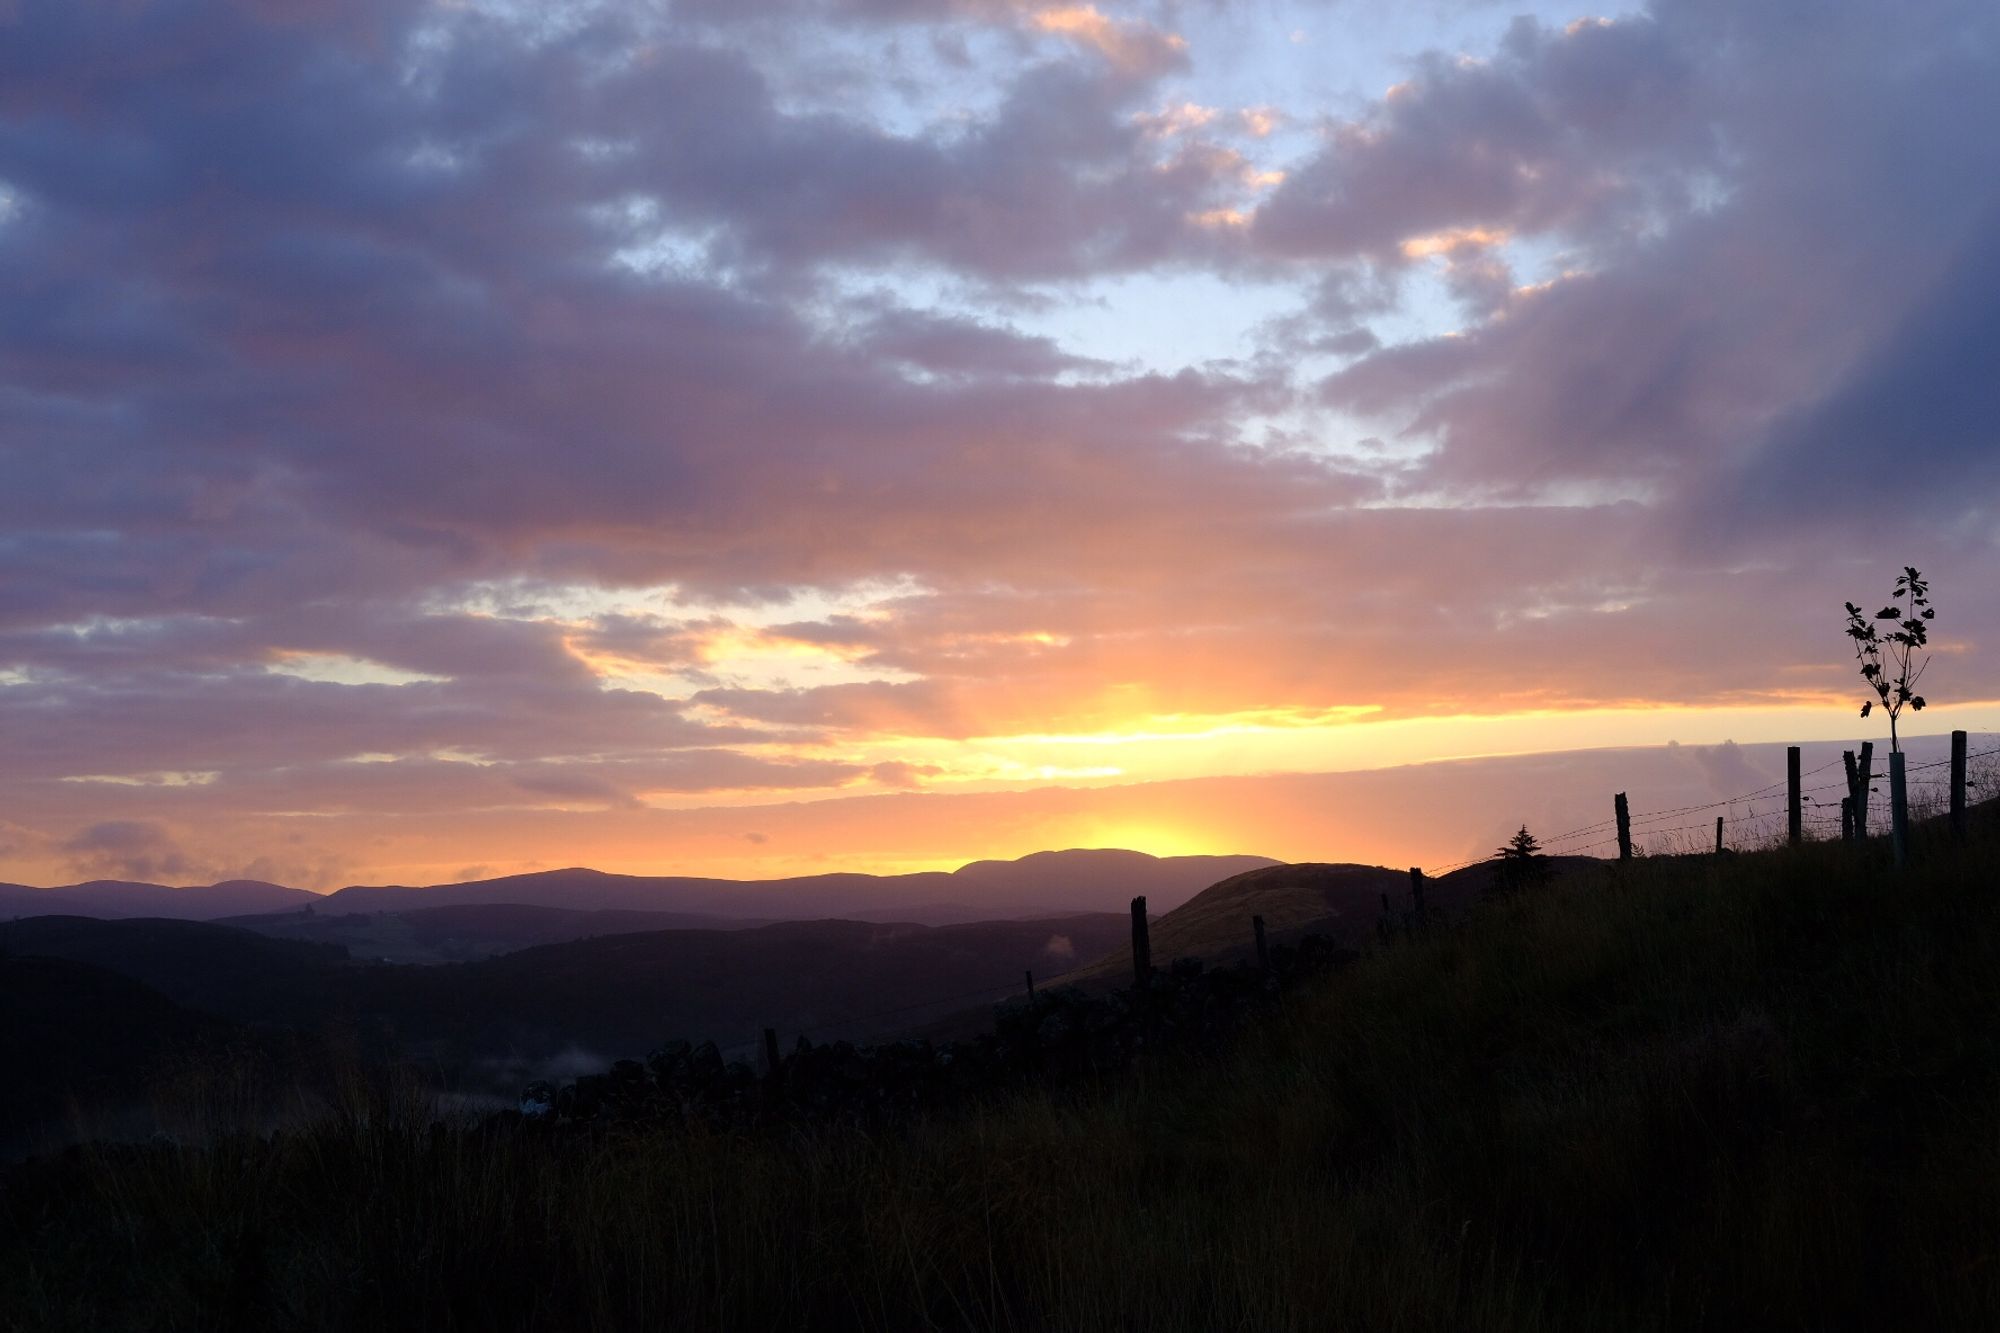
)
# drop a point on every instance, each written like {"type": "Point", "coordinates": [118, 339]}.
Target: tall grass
{"type": "Point", "coordinates": [1704, 1092]}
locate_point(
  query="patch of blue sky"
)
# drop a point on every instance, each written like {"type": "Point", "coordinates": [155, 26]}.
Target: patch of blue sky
{"type": "Point", "coordinates": [905, 80]}
{"type": "Point", "coordinates": [660, 249]}
{"type": "Point", "coordinates": [1337, 57]}
{"type": "Point", "coordinates": [1163, 322]}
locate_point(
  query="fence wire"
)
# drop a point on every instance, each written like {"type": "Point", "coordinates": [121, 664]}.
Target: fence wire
{"type": "Point", "coordinates": [1586, 840]}
{"type": "Point", "coordinates": [1654, 823]}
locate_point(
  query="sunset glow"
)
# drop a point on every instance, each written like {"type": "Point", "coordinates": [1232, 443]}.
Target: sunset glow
{"type": "Point", "coordinates": [440, 439]}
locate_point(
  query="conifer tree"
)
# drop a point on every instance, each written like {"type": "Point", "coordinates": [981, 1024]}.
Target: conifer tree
{"type": "Point", "coordinates": [1521, 862]}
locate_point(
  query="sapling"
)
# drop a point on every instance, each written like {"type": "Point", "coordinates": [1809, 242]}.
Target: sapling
{"type": "Point", "coordinates": [1891, 665]}
{"type": "Point", "coordinates": [1889, 662]}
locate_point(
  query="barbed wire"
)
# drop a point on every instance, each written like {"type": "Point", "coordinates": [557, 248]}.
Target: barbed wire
{"type": "Point", "coordinates": [1165, 936]}
{"type": "Point", "coordinates": [1650, 822]}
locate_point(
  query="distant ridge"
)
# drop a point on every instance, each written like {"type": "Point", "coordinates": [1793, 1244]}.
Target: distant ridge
{"type": "Point", "coordinates": [1040, 884]}
{"type": "Point", "coordinates": [1037, 885]}
{"type": "Point", "coordinates": [115, 899]}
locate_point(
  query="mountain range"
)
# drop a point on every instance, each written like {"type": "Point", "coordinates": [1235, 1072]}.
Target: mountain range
{"type": "Point", "coordinates": [1040, 884]}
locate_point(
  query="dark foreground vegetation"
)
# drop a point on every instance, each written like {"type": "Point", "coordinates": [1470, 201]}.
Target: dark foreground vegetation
{"type": "Point", "coordinates": [1757, 1090]}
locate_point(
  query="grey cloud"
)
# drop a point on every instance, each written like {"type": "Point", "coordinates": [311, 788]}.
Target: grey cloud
{"type": "Point", "coordinates": [1558, 130]}
{"type": "Point", "coordinates": [128, 849]}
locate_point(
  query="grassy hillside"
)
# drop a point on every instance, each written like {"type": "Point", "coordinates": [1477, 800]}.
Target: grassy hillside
{"type": "Point", "coordinates": [1715, 1092]}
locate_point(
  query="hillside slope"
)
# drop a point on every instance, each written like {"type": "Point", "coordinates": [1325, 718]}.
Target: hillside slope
{"type": "Point", "coordinates": [1342, 902]}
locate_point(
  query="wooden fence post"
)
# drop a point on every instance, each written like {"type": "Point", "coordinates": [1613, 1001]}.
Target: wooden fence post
{"type": "Point", "coordinates": [1794, 812]}
{"type": "Point", "coordinates": [1142, 948]}
{"type": "Point", "coordinates": [1263, 950]}
{"type": "Point", "coordinates": [1861, 792]}
{"type": "Point", "coordinates": [771, 1052]}
{"type": "Point", "coordinates": [1958, 785]}
{"type": "Point", "coordinates": [1624, 813]}
{"type": "Point", "coordinates": [1899, 810]}
{"type": "Point", "coordinates": [1031, 985]}
{"type": "Point", "coordinates": [1718, 835]}
{"type": "Point", "coordinates": [1417, 896]}
{"type": "Point", "coordinates": [1847, 807]}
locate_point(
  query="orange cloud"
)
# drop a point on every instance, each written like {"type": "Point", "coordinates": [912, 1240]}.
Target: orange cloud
{"type": "Point", "coordinates": [1451, 240]}
{"type": "Point", "coordinates": [1133, 47]}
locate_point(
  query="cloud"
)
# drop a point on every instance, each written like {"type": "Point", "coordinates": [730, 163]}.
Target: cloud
{"type": "Point", "coordinates": [425, 409]}
{"type": "Point", "coordinates": [1581, 128]}
{"type": "Point", "coordinates": [1746, 227]}
{"type": "Point", "coordinates": [903, 776]}
{"type": "Point", "coordinates": [127, 849]}
{"type": "Point", "coordinates": [1131, 47]}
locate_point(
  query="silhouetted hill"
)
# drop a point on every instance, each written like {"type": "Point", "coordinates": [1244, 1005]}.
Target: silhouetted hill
{"type": "Point", "coordinates": [75, 1034]}
{"type": "Point", "coordinates": [1341, 902]}
{"type": "Point", "coordinates": [611, 995]}
{"type": "Point", "coordinates": [465, 932]}
{"type": "Point", "coordinates": [114, 898]}
{"type": "Point", "coordinates": [217, 969]}
{"type": "Point", "coordinates": [623, 994]}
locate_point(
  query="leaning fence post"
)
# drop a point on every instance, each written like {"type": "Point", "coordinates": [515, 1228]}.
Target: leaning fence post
{"type": "Point", "coordinates": [1417, 896]}
{"type": "Point", "coordinates": [1624, 812]}
{"type": "Point", "coordinates": [1795, 815]}
{"type": "Point", "coordinates": [1853, 795]}
{"type": "Point", "coordinates": [1899, 810]}
{"type": "Point", "coordinates": [1718, 835]}
{"type": "Point", "coordinates": [1263, 950]}
{"type": "Point", "coordinates": [1142, 949]}
{"type": "Point", "coordinates": [1031, 985]}
{"type": "Point", "coordinates": [1861, 792]}
{"type": "Point", "coordinates": [1958, 785]}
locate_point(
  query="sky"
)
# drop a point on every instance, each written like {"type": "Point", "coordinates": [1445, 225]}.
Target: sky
{"type": "Point", "coordinates": [453, 437]}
